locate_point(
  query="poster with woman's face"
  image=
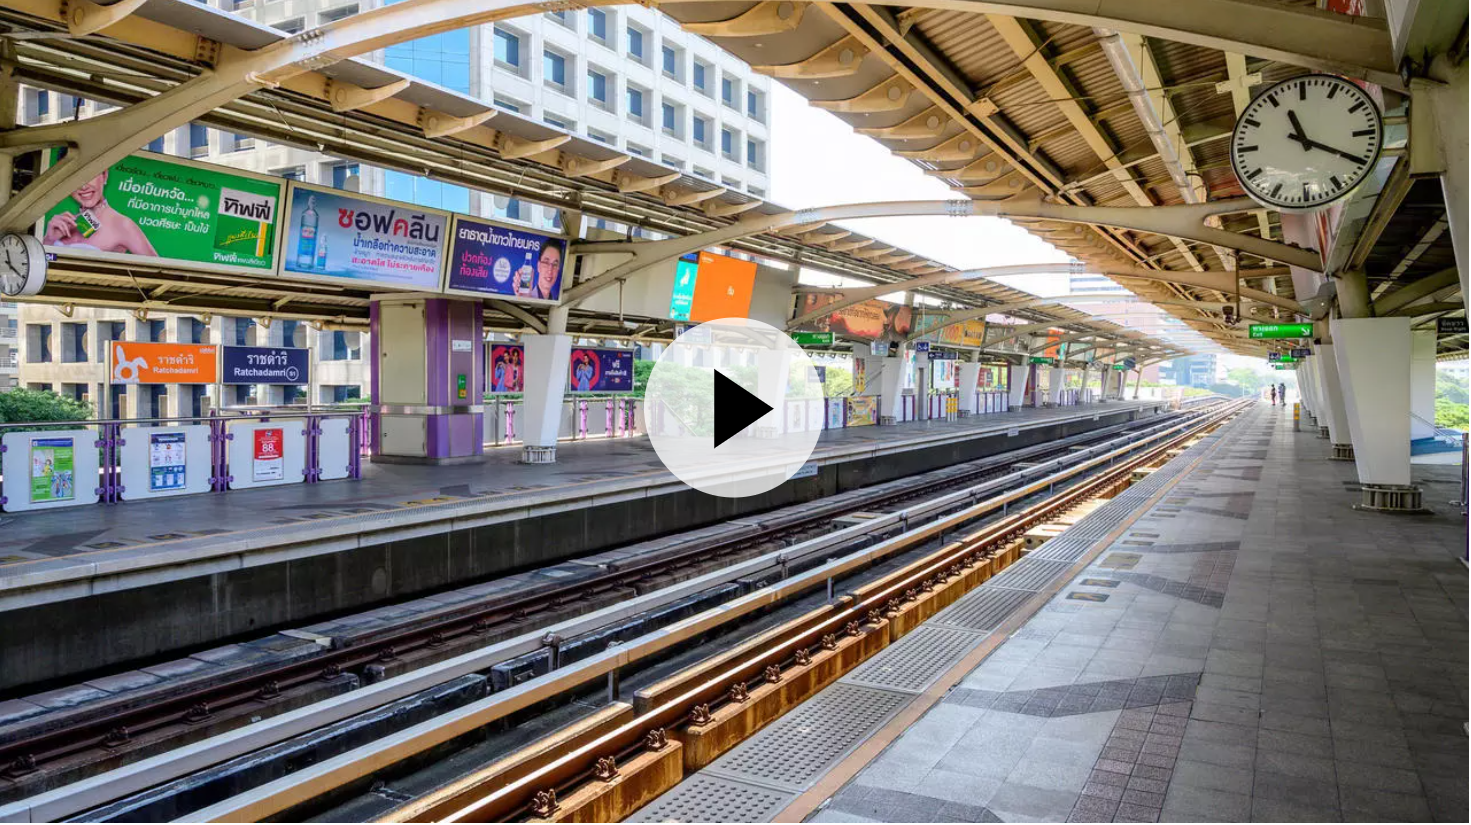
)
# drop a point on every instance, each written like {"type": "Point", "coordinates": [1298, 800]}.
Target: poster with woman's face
{"type": "Point", "coordinates": [600, 370]}
{"type": "Point", "coordinates": [507, 368]}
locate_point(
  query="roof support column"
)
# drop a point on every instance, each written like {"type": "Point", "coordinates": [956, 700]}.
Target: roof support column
{"type": "Point", "coordinates": [1438, 144]}
{"type": "Point", "coordinates": [1373, 360]}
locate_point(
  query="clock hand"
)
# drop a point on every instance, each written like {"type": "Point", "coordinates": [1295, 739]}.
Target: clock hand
{"type": "Point", "coordinates": [1339, 152]}
{"type": "Point", "coordinates": [1297, 133]}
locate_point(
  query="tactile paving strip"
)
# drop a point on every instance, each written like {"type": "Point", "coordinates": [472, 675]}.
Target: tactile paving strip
{"type": "Point", "coordinates": [1064, 548]}
{"type": "Point", "coordinates": [1029, 574]}
{"type": "Point", "coordinates": [801, 746]}
{"type": "Point", "coordinates": [914, 662]}
{"type": "Point", "coordinates": [704, 798]}
{"type": "Point", "coordinates": [981, 609]}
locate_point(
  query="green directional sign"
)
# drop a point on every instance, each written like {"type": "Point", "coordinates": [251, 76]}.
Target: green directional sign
{"type": "Point", "coordinates": [813, 339]}
{"type": "Point", "coordinates": [1120, 367]}
{"type": "Point", "coordinates": [1257, 331]}
{"type": "Point", "coordinates": [1037, 359]}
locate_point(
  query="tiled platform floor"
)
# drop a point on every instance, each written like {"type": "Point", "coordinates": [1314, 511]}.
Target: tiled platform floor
{"type": "Point", "coordinates": [1252, 648]}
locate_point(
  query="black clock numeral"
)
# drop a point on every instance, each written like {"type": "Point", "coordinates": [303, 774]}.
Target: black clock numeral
{"type": "Point", "coordinates": [1302, 91]}
{"type": "Point", "coordinates": [1276, 189]}
{"type": "Point", "coordinates": [1356, 107]}
{"type": "Point", "coordinates": [1252, 174]}
{"type": "Point", "coordinates": [1362, 132]}
{"type": "Point", "coordinates": [1247, 149]}
{"type": "Point", "coordinates": [1332, 91]}
{"type": "Point", "coordinates": [1252, 123]}
{"type": "Point", "coordinates": [1337, 184]}
{"type": "Point", "coordinates": [1273, 100]}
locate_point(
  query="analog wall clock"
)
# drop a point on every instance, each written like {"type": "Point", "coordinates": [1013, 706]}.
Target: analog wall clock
{"type": "Point", "coordinates": [22, 265]}
{"type": "Point", "coordinates": [1306, 142]}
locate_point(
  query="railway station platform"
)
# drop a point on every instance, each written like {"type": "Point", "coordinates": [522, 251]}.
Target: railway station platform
{"type": "Point", "coordinates": [141, 579]}
{"type": "Point", "coordinates": [1237, 643]}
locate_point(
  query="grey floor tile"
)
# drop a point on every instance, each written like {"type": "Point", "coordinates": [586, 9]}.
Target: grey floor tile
{"type": "Point", "coordinates": [1025, 802]}
{"type": "Point", "coordinates": [1193, 804]}
{"type": "Point", "coordinates": [1190, 773]}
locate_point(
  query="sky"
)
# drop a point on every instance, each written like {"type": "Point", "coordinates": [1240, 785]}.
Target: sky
{"type": "Point", "coordinates": [813, 158]}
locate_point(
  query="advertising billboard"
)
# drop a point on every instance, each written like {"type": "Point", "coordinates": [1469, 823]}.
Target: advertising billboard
{"type": "Point", "coordinates": [148, 207]}
{"type": "Point", "coordinates": [723, 287]}
{"type": "Point", "coordinates": [336, 236]}
{"type": "Point", "coordinates": [507, 366]}
{"type": "Point", "coordinates": [265, 365]}
{"type": "Point", "coordinates": [486, 259]}
{"type": "Point", "coordinates": [682, 294]}
{"type": "Point", "coordinates": [869, 320]}
{"type": "Point", "coordinates": [970, 333]}
{"type": "Point", "coordinates": [168, 465]}
{"type": "Point", "coordinates": [137, 363]}
{"type": "Point", "coordinates": [268, 455]}
{"type": "Point", "coordinates": [600, 370]}
{"type": "Point", "coordinates": [863, 411]}
{"type": "Point", "coordinates": [52, 470]}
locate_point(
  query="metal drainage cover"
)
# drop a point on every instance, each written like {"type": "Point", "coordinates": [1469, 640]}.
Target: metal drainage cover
{"type": "Point", "coordinates": [800, 747]}
{"type": "Point", "coordinates": [702, 798]}
{"type": "Point", "coordinates": [915, 661]}
{"type": "Point", "coordinates": [984, 608]}
{"type": "Point", "coordinates": [1029, 574]}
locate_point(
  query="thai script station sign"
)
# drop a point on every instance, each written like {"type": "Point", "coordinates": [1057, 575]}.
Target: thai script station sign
{"type": "Point", "coordinates": [140, 363]}
{"type": "Point", "coordinates": [265, 365]}
{"type": "Point", "coordinates": [1261, 331]}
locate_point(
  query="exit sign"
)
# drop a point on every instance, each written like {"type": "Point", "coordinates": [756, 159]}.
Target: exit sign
{"type": "Point", "coordinates": [1121, 367]}
{"type": "Point", "coordinates": [813, 339]}
{"type": "Point", "coordinates": [1037, 359]}
{"type": "Point", "coordinates": [1280, 330]}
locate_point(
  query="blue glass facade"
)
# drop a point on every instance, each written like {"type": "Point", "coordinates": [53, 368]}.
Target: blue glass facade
{"type": "Point", "coordinates": [442, 59]}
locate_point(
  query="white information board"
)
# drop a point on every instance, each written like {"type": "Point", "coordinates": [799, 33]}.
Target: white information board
{"type": "Point", "coordinates": [267, 453]}
{"type": "Point", "coordinates": [49, 469]}
{"type": "Point", "coordinates": [158, 462]}
{"type": "Point", "coordinates": [334, 448]}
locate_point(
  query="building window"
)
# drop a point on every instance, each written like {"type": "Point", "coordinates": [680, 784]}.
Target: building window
{"type": "Point", "coordinates": [198, 140]}
{"type": "Point", "coordinates": [671, 61]}
{"type": "Point", "coordinates": [635, 103]}
{"type": "Point", "coordinates": [508, 208]}
{"type": "Point", "coordinates": [672, 162]}
{"type": "Point", "coordinates": [507, 48]}
{"type": "Point", "coordinates": [728, 144]}
{"type": "Point", "coordinates": [340, 174]}
{"type": "Point", "coordinates": [443, 59]}
{"type": "Point", "coordinates": [670, 118]}
{"type": "Point", "coordinates": [43, 103]}
{"type": "Point", "coordinates": [597, 88]}
{"type": "Point", "coordinates": [700, 131]}
{"type": "Point", "coordinates": [558, 123]}
{"type": "Point", "coordinates": [243, 142]}
{"type": "Point", "coordinates": [333, 15]}
{"type": "Point", "coordinates": [700, 76]}
{"type": "Point", "coordinates": [560, 17]}
{"type": "Point", "coordinates": [636, 44]}
{"type": "Point", "coordinates": [597, 25]}
{"type": "Point", "coordinates": [755, 154]}
{"type": "Point", "coordinates": [704, 173]}
{"type": "Point", "coordinates": [292, 26]}
{"type": "Point", "coordinates": [756, 106]}
{"type": "Point", "coordinates": [554, 70]}
{"type": "Point", "coordinates": [756, 191]}
{"type": "Point", "coordinates": [155, 145]}
{"type": "Point", "coordinates": [635, 149]}
{"type": "Point", "coordinates": [508, 104]}
{"type": "Point", "coordinates": [728, 91]}
{"type": "Point", "coordinates": [292, 173]}
{"type": "Point", "coordinates": [424, 191]}
{"type": "Point", "coordinates": [73, 343]}
{"type": "Point", "coordinates": [600, 136]}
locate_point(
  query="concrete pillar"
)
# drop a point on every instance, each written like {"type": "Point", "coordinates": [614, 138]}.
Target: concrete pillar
{"type": "Point", "coordinates": [1438, 144]}
{"type": "Point", "coordinates": [891, 386]}
{"type": "Point", "coordinates": [1422, 383]}
{"type": "Point", "coordinates": [1335, 414]}
{"type": "Point", "coordinates": [428, 380]}
{"type": "Point", "coordinates": [1017, 382]}
{"type": "Point", "coordinates": [772, 369]}
{"type": "Point", "coordinates": [922, 388]}
{"type": "Point", "coordinates": [540, 415]}
{"type": "Point", "coordinates": [1054, 386]}
{"type": "Point", "coordinates": [1371, 355]}
{"type": "Point", "coordinates": [968, 374]}
{"type": "Point", "coordinates": [873, 367]}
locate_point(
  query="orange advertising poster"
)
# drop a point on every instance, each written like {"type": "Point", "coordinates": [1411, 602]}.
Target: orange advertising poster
{"type": "Point", "coordinates": [723, 288]}
{"type": "Point", "coordinates": [1053, 337]}
{"type": "Point", "coordinates": [137, 363]}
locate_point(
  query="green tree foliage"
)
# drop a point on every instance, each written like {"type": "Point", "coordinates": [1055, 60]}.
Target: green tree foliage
{"type": "Point", "coordinates": [22, 406]}
{"type": "Point", "coordinates": [641, 370]}
{"type": "Point", "coordinates": [1450, 402]}
{"type": "Point", "coordinates": [839, 382]}
{"type": "Point", "coordinates": [1250, 381]}
{"type": "Point", "coordinates": [1230, 390]}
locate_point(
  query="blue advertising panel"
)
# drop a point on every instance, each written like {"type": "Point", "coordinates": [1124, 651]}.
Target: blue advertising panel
{"type": "Point", "coordinates": [682, 296]}
{"type": "Point", "coordinates": [486, 259]}
{"type": "Point", "coordinates": [600, 370]}
{"type": "Point", "coordinates": [336, 236]}
{"type": "Point", "coordinates": [265, 365]}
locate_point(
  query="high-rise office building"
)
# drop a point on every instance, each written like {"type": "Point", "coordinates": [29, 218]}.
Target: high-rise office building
{"type": "Point", "coordinates": [9, 345]}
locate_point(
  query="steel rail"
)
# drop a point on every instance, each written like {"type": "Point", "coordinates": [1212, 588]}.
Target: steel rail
{"type": "Point", "coordinates": [281, 795]}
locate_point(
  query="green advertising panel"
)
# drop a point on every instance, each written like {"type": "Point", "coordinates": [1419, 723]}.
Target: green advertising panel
{"type": "Point", "coordinates": [172, 210]}
{"type": "Point", "coordinates": [1281, 330]}
{"type": "Point", "coordinates": [1038, 359]}
{"type": "Point", "coordinates": [813, 339]}
{"type": "Point", "coordinates": [1121, 367]}
{"type": "Point", "coordinates": [682, 297]}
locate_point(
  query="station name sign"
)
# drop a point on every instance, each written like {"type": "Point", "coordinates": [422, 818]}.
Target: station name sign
{"type": "Point", "coordinates": [1261, 331]}
{"type": "Point", "coordinates": [813, 339]}
{"type": "Point", "coordinates": [264, 365]}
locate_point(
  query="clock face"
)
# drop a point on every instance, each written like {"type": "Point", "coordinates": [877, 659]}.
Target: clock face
{"type": "Point", "coordinates": [22, 265]}
{"type": "Point", "coordinates": [1306, 142]}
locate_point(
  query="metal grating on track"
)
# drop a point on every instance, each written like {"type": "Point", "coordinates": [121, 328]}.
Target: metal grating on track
{"type": "Point", "coordinates": [705, 798]}
{"type": "Point", "coordinates": [914, 662]}
{"type": "Point", "coordinates": [981, 609]}
{"type": "Point", "coordinates": [1029, 574]}
{"type": "Point", "coordinates": [801, 746]}
{"type": "Point", "coordinates": [1063, 548]}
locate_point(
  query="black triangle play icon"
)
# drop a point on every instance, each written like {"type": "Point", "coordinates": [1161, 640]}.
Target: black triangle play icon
{"type": "Point", "coordinates": [736, 408]}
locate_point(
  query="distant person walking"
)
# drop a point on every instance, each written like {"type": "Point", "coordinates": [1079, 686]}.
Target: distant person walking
{"type": "Point", "coordinates": [1282, 393]}
{"type": "Point", "coordinates": [1274, 396]}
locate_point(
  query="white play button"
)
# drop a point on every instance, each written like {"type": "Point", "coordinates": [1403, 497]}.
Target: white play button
{"type": "Point", "coordinates": [726, 407]}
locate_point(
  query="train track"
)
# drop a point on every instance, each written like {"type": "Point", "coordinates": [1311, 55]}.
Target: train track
{"type": "Point", "coordinates": [826, 632]}
{"type": "Point", "coordinates": [107, 730]}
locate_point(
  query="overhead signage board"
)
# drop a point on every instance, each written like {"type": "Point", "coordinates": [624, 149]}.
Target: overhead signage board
{"type": "Point", "coordinates": [487, 259]}
{"type": "Point", "coordinates": [879, 348]}
{"type": "Point", "coordinates": [335, 236]}
{"type": "Point", "coordinates": [146, 208]}
{"type": "Point", "coordinates": [813, 339]}
{"type": "Point", "coordinates": [1301, 352]}
{"type": "Point", "coordinates": [1272, 331]}
{"type": "Point", "coordinates": [1274, 356]}
{"type": "Point", "coordinates": [600, 370]}
{"type": "Point", "coordinates": [870, 320]}
{"type": "Point", "coordinates": [1038, 359]}
{"type": "Point", "coordinates": [682, 295]}
{"type": "Point", "coordinates": [921, 346]}
{"type": "Point", "coordinates": [723, 288]}
{"type": "Point", "coordinates": [1120, 367]}
{"type": "Point", "coordinates": [265, 365]}
{"type": "Point", "coordinates": [1450, 326]}
{"type": "Point", "coordinates": [139, 363]}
